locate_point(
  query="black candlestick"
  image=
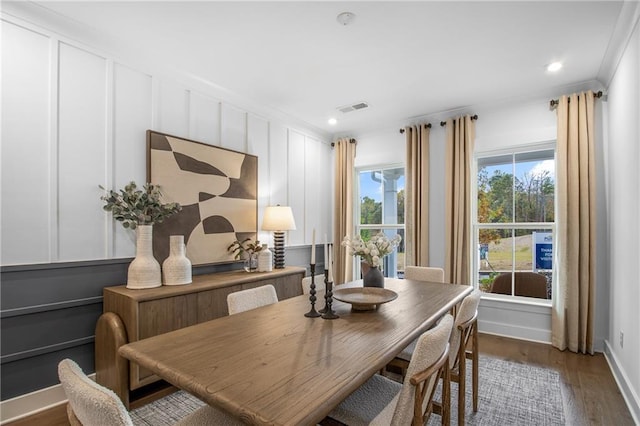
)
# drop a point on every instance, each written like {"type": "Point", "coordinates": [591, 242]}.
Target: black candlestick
{"type": "Point", "coordinates": [326, 279]}
{"type": "Point", "coordinates": [329, 314]}
{"type": "Point", "coordinates": [312, 294]}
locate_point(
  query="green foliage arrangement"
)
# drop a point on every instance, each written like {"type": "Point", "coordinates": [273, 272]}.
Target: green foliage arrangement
{"type": "Point", "coordinates": [244, 248]}
{"type": "Point", "coordinates": [133, 206]}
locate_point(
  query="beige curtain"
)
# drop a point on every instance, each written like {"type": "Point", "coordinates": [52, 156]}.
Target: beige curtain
{"type": "Point", "coordinates": [345, 154]}
{"type": "Point", "coordinates": [572, 313]}
{"type": "Point", "coordinates": [416, 218]}
{"type": "Point", "coordinates": [459, 152]}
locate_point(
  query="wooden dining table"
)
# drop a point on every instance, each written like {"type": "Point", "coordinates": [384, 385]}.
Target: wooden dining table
{"type": "Point", "coordinates": [273, 365]}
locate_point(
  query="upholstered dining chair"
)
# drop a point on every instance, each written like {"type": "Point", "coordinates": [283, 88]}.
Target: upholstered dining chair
{"type": "Point", "coordinates": [418, 273]}
{"type": "Point", "coordinates": [245, 300]}
{"type": "Point", "coordinates": [464, 330]}
{"type": "Point", "coordinates": [91, 404]}
{"type": "Point", "coordinates": [424, 273]}
{"type": "Point", "coordinates": [318, 281]}
{"type": "Point", "coordinates": [382, 401]}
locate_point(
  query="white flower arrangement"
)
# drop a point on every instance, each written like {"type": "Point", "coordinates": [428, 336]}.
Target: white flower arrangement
{"type": "Point", "coordinates": [374, 250]}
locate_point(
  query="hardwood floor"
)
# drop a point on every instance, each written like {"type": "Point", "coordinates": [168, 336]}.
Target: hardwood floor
{"type": "Point", "coordinates": [590, 394]}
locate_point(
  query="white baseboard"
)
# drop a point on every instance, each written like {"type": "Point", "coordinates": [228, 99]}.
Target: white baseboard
{"type": "Point", "coordinates": [32, 403]}
{"type": "Point", "coordinates": [628, 393]}
{"type": "Point", "coordinates": [517, 332]}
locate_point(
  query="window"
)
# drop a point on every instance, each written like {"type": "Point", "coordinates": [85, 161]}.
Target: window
{"type": "Point", "coordinates": [514, 223]}
{"type": "Point", "coordinates": [381, 208]}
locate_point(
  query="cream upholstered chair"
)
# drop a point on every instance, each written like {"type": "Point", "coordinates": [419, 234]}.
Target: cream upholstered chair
{"type": "Point", "coordinates": [424, 273]}
{"type": "Point", "coordinates": [465, 329]}
{"type": "Point", "coordinates": [245, 300]}
{"type": "Point", "coordinates": [382, 401]}
{"type": "Point", "coordinates": [417, 273]}
{"type": "Point", "coordinates": [93, 405]}
{"type": "Point", "coordinates": [319, 282]}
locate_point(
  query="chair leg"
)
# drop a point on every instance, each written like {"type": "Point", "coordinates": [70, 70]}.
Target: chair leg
{"type": "Point", "coordinates": [462, 375]}
{"type": "Point", "coordinates": [475, 366]}
{"type": "Point", "coordinates": [446, 395]}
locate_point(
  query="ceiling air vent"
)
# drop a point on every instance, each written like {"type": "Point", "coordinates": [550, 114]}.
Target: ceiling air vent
{"type": "Point", "coordinates": [355, 107]}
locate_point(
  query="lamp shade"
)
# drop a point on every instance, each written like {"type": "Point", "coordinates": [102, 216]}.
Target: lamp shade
{"type": "Point", "coordinates": [278, 218]}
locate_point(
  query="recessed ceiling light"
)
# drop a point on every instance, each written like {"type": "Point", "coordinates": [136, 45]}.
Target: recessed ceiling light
{"type": "Point", "coordinates": [554, 66]}
{"type": "Point", "coordinates": [345, 18]}
{"type": "Point", "coordinates": [332, 121]}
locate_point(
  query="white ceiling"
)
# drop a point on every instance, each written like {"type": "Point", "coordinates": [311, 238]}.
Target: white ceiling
{"type": "Point", "coordinates": [405, 59]}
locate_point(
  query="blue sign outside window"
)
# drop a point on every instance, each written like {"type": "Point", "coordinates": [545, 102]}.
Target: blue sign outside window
{"type": "Point", "coordinates": [543, 250]}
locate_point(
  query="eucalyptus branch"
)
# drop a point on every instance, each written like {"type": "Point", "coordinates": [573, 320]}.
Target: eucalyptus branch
{"type": "Point", "coordinates": [134, 207]}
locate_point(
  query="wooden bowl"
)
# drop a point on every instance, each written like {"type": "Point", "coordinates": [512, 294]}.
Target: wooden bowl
{"type": "Point", "coordinates": [365, 298]}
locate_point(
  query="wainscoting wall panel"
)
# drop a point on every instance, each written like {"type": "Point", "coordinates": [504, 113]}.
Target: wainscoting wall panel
{"type": "Point", "coordinates": [88, 129]}
{"type": "Point", "coordinates": [133, 114]}
{"type": "Point", "coordinates": [258, 145]}
{"type": "Point", "coordinates": [75, 117]}
{"type": "Point", "coordinates": [296, 186]}
{"type": "Point", "coordinates": [234, 131]}
{"type": "Point", "coordinates": [25, 122]}
{"type": "Point", "coordinates": [173, 109]}
{"type": "Point", "coordinates": [49, 313]}
{"type": "Point", "coordinates": [312, 188]}
{"type": "Point", "coordinates": [278, 164]}
{"type": "Point", "coordinates": [81, 153]}
{"type": "Point", "coordinates": [204, 115]}
{"type": "Point", "coordinates": [40, 371]}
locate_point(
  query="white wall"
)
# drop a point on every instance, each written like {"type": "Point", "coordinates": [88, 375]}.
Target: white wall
{"type": "Point", "coordinates": [623, 208]}
{"type": "Point", "coordinates": [74, 117]}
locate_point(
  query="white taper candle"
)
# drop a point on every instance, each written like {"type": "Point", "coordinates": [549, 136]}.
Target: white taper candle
{"type": "Point", "coordinates": [326, 253]}
{"type": "Point", "coordinates": [313, 247]}
{"type": "Point", "coordinates": [330, 264]}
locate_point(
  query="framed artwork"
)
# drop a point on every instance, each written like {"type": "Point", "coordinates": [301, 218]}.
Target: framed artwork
{"type": "Point", "coordinates": [217, 189]}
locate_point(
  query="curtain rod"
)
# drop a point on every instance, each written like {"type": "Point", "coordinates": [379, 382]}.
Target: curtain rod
{"type": "Point", "coordinates": [428, 126]}
{"type": "Point", "coordinates": [473, 117]}
{"type": "Point", "coordinates": [554, 102]}
{"type": "Point", "coordinates": [350, 141]}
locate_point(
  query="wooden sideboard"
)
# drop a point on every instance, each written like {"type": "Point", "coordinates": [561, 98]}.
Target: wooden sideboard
{"type": "Point", "coordinates": [132, 315]}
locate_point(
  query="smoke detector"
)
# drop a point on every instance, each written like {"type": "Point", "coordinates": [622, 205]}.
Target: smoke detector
{"type": "Point", "coordinates": [345, 18]}
{"type": "Point", "coordinates": [353, 107]}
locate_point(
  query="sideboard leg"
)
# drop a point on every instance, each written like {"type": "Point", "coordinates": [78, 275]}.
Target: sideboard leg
{"type": "Point", "coordinates": [112, 370]}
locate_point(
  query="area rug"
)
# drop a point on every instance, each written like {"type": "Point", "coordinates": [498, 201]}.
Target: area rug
{"type": "Point", "coordinates": [166, 411]}
{"type": "Point", "coordinates": [510, 394]}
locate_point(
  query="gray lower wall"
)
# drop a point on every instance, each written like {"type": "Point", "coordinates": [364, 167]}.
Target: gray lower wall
{"type": "Point", "coordinates": [48, 312]}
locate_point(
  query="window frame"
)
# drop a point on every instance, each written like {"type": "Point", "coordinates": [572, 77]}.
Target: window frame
{"type": "Point", "coordinates": [356, 201]}
{"type": "Point", "coordinates": [475, 226]}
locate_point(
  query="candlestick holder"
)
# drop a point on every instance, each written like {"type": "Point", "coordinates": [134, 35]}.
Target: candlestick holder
{"type": "Point", "coordinates": [329, 314]}
{"type": "Point", "coordinates": [326, 279]}
{"type": "Point", "coordinates": [312, 294]}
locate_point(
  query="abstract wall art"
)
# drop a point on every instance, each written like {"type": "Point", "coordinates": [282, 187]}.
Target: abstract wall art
{"type": "Point", "coordinates": [217, 189]}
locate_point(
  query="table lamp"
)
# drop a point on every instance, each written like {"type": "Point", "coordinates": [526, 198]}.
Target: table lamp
{"type": "Point", "coordinates": [278, 219]}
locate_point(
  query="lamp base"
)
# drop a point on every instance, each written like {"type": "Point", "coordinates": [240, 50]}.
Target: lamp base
{"type": "Point", "coordinates": [278, 249]}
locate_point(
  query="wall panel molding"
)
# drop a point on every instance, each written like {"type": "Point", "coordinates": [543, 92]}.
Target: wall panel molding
{"type": "Point", "coordinates": [92, 110]}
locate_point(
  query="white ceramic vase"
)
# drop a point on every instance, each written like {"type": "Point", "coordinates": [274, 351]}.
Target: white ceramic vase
{"type": "Point", "coordinates": [265, 259]}
{"type": "Point", "coordinates": [177, 267]}
{"type": "Point", "coordinates": [144, 270]}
